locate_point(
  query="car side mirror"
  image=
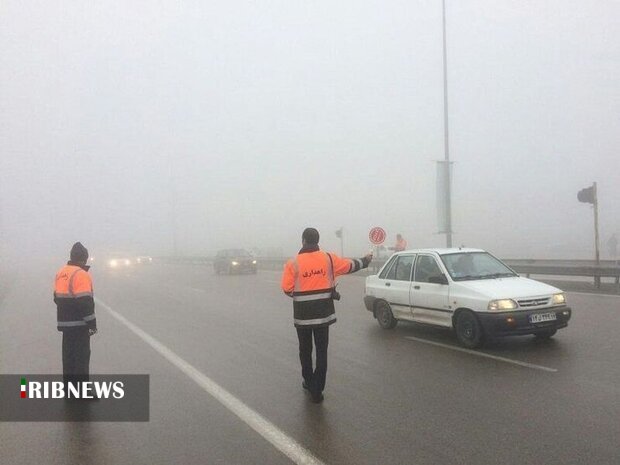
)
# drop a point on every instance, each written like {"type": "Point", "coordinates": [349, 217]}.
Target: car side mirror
{"type": "Point", "coordinates": [441, 279]}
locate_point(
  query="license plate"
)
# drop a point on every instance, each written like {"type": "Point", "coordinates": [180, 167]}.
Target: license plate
{"type": "Point", "coordinates": [542, 317]}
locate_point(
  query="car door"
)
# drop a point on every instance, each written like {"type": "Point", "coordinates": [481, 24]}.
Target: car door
{"type": "Point", "coordinates": [397, 284]}
{"type": "Point", "coordinates": [429, 299]}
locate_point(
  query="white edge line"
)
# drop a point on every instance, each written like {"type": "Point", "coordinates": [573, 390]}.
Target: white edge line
{"type": "Point", "coordinates": [280, 440]}
{"type": "Point", "coordinates": [482, 354]}
{"type": "Point", "coordinates": [593, 293]}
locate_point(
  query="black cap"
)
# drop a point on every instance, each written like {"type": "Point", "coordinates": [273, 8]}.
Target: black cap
{"type": "Point", "coordinates": [310, 236]}
{"type": "Point", "coordinates": [79, 253]}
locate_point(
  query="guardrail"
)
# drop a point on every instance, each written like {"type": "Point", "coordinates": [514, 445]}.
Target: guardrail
{"type": "Point", "coordinates": [582, 268]}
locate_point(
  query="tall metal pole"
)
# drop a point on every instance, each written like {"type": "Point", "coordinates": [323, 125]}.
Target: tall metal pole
{"type": "Point", "coordinates": [446, 132]}
{"type": "Point", "coordinates": [173, 207]}
{"type": "Point", "coordinates": [597, 279]}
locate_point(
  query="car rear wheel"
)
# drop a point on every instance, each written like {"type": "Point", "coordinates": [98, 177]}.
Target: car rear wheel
{"type": "Point", "coordinates": [384, 316]}
{"type": "Point", "coordinates": [468, 330]}
{"type": "Point", "coordinates": [548, 333]}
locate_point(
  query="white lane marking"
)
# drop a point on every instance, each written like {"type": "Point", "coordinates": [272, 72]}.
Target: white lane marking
{"type": "Point", "coordinates": [278, 438]}
{"type": "Point", "coordinates": [197, 289]}
{"type": "Point", "coordinates": [482, 354]}
{"type": "Point", "coordinates": [593, 294]}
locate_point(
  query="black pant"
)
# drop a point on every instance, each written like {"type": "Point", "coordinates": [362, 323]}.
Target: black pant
{"type": "Point", "coordinates": [75, 354]}
{"type": "Point", "coordinates": [315, 379]}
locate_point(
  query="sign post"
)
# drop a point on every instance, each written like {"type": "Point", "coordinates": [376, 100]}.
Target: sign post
{"type": "Point", "coordinates": [590, 195]}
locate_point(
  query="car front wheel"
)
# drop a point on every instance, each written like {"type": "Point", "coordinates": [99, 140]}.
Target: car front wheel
{"type": "Point", "coordinates": [384, 316]}
{"type": "Point", "coordinates": [468, 330]}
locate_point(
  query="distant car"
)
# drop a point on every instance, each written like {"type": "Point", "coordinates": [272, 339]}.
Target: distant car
{"type": "Point", "coordinates": [234, 261]}
{"type": "Point", "coordinates": [468, 290]}
{"type": "Point", "coordinates": [144, 260]}
{"type": "Point", "coordinates": [118, 261]}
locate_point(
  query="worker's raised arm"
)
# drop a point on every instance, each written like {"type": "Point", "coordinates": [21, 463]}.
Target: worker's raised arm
{"type": "Point", "coordinates": [349, 265]}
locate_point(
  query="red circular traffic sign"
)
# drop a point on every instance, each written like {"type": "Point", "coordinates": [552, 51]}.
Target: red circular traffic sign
{"type": "Point", "coordinates": [377, 235]}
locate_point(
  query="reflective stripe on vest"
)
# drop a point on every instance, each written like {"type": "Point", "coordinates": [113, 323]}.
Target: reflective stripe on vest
{"type": "Point", "coordinates": [316, 321]}
{"type": "Point", "coordinates": [68, 324]}
{"type": "Point", "coordinates": [307, 297]}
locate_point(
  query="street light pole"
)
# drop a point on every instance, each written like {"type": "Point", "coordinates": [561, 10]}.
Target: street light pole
{"type": "Point", "coordinates": [446, 141]}
{"type": "Point", "coordinates": [597, 255]}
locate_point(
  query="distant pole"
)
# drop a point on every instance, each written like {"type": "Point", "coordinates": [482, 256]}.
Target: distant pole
{"type": "Point", "coordinates": [173, 208]}
{"type": "Point", "coordinates": [342, 241]}
{"type": "Point", "coordinates": [446, 132]}
{"type": "Point", "coordinates": [597, 279]}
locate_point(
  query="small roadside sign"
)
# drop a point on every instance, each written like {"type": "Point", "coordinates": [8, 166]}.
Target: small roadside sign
{"type": "Point", "coordinates": [377, 235]}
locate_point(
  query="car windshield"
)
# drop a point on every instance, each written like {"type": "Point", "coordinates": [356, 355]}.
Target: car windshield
{"type": "Point", "coordinates": [475, 265]}
{"type": "Point", "coordinates": [238, 253]}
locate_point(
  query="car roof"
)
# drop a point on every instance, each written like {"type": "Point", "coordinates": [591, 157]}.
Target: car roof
{"type": "Point", "coordinates": [442, 251]}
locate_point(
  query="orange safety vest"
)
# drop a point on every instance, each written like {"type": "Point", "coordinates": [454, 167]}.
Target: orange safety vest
{"type": "Point", "coordinates": [73, 294]}
{"type": "Point", "coordinates": [400, 245]}
{"type": "Point", "coordinates": [72, 282]}
{"type": "Point", "coordinates": [310, 279]}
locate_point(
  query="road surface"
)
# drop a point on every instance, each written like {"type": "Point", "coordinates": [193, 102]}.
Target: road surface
{"type": "Point", "coordinates": [226, 384]}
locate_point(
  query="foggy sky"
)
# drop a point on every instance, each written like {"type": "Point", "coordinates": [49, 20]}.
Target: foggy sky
{"type": "Point", "coordinates": [239, 123]}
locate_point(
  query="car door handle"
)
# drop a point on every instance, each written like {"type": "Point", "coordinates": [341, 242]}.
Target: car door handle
{"type": "Point", "coordinates": [416, 287]}
{"type": "Point", "coordinates": [388, 284]}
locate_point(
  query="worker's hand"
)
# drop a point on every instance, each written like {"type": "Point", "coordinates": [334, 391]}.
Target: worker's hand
{"type": "Point", "coordinates": [368, 257]}
{"type": "Point", "coordinates": [92, 332]}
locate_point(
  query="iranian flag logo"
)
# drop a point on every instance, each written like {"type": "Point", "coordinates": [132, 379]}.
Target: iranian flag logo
{"type": "Point", "coordinates": [23, 392]}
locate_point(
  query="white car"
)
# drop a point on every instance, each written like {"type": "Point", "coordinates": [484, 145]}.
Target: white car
{"type": "Point", "coordinates": [468, 290]}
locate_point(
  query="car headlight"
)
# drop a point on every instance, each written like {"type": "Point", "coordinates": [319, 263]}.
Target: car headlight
{"type": "Point", "coordinates": [139, 260]}
{"type": "Point", "coordinates": [127, 262]}
{"type": "Point", "coordinates": [234, 263]}
{"type": "Point", "coordinates": [113, 263]}
{"type": "Point", "coordinates": [502, 304]}
{"type": "Point", "coordinates": [253, 262]}
{"type": "Point", "coordinates": [559, 299]}
{"type": "Point", "coordinates": [150, 259]}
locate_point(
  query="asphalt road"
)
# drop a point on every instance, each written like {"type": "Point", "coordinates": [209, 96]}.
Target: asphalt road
{"type": "Point", "coordinates": [222, 352]}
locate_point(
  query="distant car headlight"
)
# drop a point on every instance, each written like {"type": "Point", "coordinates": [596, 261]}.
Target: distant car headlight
{"type": "Point", "coordinates": [559, 299]}
{"type": "Point", "coordinates": [502, 304]}
{"type": "Point", "coordinates": [234, 263]}
{"type": "Point", "coordinates": [113, 263]}
{"type": "Point", "coordinates": [150, 259]}
{"type": "Point", "coordinates": [127, 262]}
{"type": "Point", "coordinates": [139, 260]}
{"type": "Point", "coordinates": [253, 262]}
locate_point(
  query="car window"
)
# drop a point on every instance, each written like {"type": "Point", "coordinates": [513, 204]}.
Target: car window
{"type": "Point", "coordinates": [425, 268]}
{"type": "Point", "coordinates": [401, 270]}
{"type": "Point", "coordinates": [238, 253]}
{"type": "Point", "coordinates": [475, 265]}
{"type": "Point", "coordinates": [387, 267]}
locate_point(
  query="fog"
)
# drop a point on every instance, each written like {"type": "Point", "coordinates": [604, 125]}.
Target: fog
{"type": "Point", "coordinates": [127, 124]}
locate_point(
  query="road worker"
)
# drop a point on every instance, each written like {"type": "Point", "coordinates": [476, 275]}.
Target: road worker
{"type": "Point", "coordinates": [401, 244]}
{"type": "Point", "coordinates": [73, 295]}
{"type": "Point", "coordinates": [309, 279]}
